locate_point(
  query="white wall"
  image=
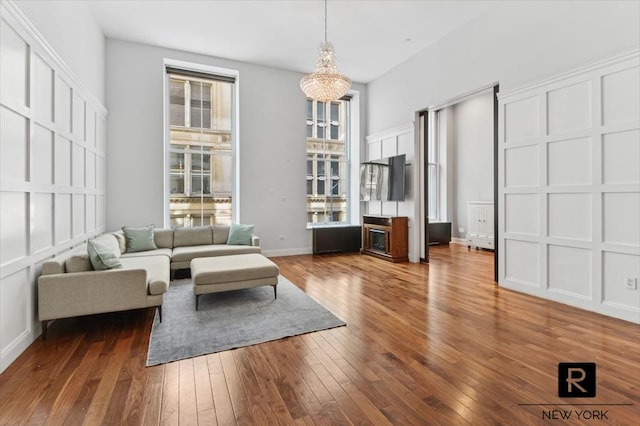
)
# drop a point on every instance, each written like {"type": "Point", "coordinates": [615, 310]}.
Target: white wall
{"type": "Point", "coordinates": [472, 157]}
{"type": "Point", "coordinates": [271, 142]}
{"type": "Point", "coordinates": [514, 43]}
{"type": "Point", "coordinates": [569, 185]}
{"type": "Point", "coordinates": [52, 163]}
{"type": "Point", "coordinates": [73, 32]}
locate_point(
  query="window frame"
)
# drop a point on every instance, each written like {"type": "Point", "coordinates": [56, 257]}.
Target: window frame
{"type": "Point", "coordinates": [438, 144]}
{"type": "Point", "coordinates": [203, 72]}
{"type": "Point", "coordinates": [323, 186]}
{"type": "Point", "coordinates": [433, 160]}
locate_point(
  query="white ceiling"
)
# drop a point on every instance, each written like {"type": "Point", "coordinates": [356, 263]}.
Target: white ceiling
{"type": "Point", "coordinates": [370, 37]}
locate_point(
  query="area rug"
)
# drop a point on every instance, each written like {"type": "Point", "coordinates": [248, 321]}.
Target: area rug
{"type": "Point", "coordinates": [231, 320]}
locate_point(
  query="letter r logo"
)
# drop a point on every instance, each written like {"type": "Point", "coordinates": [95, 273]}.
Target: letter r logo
{"type": "Point", "coordinates": [572, 380]}
{"type": "Point", "coordinates": [577, 380]}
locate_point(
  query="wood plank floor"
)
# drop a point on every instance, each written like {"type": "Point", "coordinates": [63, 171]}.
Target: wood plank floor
{"type": "Point", "coordinates": [424, 344]}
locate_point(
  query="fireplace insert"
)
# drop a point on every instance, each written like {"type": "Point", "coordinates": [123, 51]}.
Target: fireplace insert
{"type": "Point", "coordinates": [377, 240]}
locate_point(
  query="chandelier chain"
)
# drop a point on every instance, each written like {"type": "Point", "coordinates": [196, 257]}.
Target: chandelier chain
{"type": "Point", "coordinates": [325, 21]}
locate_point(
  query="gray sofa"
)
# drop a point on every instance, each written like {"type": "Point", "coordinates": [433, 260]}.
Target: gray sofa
{"type": "Point", "coordinates": [69, 286]}
{"type": "Point", "coordinates": [182, 245]}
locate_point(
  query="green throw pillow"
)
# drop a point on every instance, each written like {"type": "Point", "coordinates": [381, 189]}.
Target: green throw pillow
{"type": "Point", "coordinates": [240, 234]}
{"type": "Point", "coordinates": [104, 252]}
{"type": "Point", "coordinates": [139, 239]}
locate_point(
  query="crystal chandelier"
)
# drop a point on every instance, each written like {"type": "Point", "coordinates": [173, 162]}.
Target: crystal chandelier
{"type": "Point", "coordinates": [325, 84]}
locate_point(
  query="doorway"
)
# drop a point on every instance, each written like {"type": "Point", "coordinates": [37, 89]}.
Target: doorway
{"type": "Point", "coordinates": [458, 142]}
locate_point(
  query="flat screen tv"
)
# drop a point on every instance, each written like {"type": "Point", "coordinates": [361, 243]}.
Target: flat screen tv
{"type": "Point", "coordinates": [383, 179]}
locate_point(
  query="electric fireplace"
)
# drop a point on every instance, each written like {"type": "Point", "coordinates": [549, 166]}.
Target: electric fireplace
{"type": "Point", "coordinates": [386, 237]}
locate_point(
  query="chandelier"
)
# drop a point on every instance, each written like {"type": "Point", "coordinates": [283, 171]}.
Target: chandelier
{"type": "Point", "coordinates": [325, 83]}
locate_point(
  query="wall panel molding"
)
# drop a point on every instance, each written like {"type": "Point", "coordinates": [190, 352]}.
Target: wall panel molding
{"type": "Point", "coordinates": [53, 153]}
{"type": "Point", "coordinates": [396, 141]}
{"type": "Point", "coordinates": [587, 187]}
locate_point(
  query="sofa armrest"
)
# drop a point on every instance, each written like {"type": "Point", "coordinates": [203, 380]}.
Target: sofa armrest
{"type": "Point", "coordinates": [93, 292]}
{"type": "Point", "coordinates": [255, 241]}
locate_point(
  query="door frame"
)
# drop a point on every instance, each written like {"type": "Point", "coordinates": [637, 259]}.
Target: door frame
{"type": "Point", "coordinates": [422, 143]}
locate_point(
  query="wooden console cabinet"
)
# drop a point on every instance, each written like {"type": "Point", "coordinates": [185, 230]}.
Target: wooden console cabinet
{"type": "Point", "coordinates": [386, 237]}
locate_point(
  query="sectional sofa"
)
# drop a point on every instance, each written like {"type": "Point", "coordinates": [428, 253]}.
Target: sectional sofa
{"type": "Point", "coordinates": [71, 286]}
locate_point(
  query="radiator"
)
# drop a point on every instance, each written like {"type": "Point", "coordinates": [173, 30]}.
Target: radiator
{"type": "Point", "coordinates": [337, 239]}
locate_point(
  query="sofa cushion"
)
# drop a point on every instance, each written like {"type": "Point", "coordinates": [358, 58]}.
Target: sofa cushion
{"type": "Point", "coordinates": [200, 235]}
{"type": "Point", "coordinates": [139, 239]}
{"type": "Point", "coordinates": [157, 268]}
{"type": "Point", "coordinates": [157, 252]}
{"type": "Point", "coordinates": [78, 263]}
{"type": "Point", "coordinates": [220, 234]}
{"type": "Point", "coordinates": [240, 234]}
{"type": "Point", "coordinates": [163, 238]}
{"type": "Point", "coordinates": [186, 254]}
{"type": "Point", "coordinates": [56, 265]}
{"type": "Point", "coordinates": [53, 267]}
{"type": "Point", "coordinates": [104, 252]}
{"type": "Point", "coordinates": [229, 269]}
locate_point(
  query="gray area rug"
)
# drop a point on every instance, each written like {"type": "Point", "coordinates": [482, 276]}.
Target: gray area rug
{"type": "Point", "coordinates": [231, 320]}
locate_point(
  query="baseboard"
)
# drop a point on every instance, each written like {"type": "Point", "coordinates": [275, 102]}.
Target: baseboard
{"type": "Point", "coordinates": [15, 349]}
{"type": "Point", "coordinates": [456, 240]}
{"type": "Point", "coordinates": [622, 312]}
{"type": "Point", "coordinates": [287, 252]}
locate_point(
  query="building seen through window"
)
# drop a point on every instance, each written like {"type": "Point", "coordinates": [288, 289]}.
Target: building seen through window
{"type": "Point", "coordinates": [200, 160]}
{"type": "Point", "coordinates": [434, 168]}
{"type": "Point", "coordinates": [327, 162]}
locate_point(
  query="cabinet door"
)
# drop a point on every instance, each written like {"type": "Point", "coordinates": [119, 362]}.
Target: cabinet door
{"type": "Point", "coordinates": [473, 219]}
{"type": "Point", "coordinates": [486, 219]}
{"type": "Point", "coordinates": [480, 218]}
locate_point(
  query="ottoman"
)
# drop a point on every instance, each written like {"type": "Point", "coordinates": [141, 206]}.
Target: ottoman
{"type": "Point", "coordinates": [233, 272]}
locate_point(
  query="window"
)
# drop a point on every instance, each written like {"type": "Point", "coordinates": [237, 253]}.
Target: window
{"type": "Point", "coordinates": [200, 165]}
{"type": "Point", "coordinates": [200, 105]}
{"type": "Point", "coordinates": [435, 134]}
{"type": "Point", "coordinates": [327, 162]}
{"type": "Point", "coordinates": [433, 169]}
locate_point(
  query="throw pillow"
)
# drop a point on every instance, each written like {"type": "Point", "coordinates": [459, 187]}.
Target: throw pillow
{"type": "Point", "coordinates": [240, 234]}
{"type": "Point", "coordinates": [104, 252]}
{"type": "Point", "coordinates": [139, 239]}
{"type": "Point", "coordinates": [196, 236]}
{"type": "Point", "coordinates": [122, 243]}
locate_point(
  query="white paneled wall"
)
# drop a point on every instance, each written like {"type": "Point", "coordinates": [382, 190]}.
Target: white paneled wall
{"type": "Point", "coordinates": [398, 141]}
{"type": "Point", "coordinates": [569, 178]}
{"type": "Point", "coordinates": [52, 160]}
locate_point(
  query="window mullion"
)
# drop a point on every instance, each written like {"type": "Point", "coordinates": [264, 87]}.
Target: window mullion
{"type": "Point", "coordinates": [211, 106]}
{"type": "Point", "coordinates": [187, 171]}
{"type": "Point", "coordinates": [315, 120]}
{"type": "Point", "coordinates": [187, 104]}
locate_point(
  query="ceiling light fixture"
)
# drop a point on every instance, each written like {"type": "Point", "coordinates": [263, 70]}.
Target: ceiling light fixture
{"type": "Point", "coordinates": [325, 83]}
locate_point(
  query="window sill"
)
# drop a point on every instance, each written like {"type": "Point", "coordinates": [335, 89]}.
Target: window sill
{"type": "Point", "coordinates": [331, 225]}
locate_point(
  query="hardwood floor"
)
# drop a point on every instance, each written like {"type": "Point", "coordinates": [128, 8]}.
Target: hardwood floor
{"type": "Point", "coordinates": [424, 344]}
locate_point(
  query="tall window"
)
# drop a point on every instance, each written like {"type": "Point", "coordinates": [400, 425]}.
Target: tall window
{"type": "Point", "coordinates": [200, 162]}
{"type": "Point", "coordinates": [435, 136]}
{"type": "Point", "coordinates": [433, 169]}
{"type": "Point", "coordinates": [327, 162]}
